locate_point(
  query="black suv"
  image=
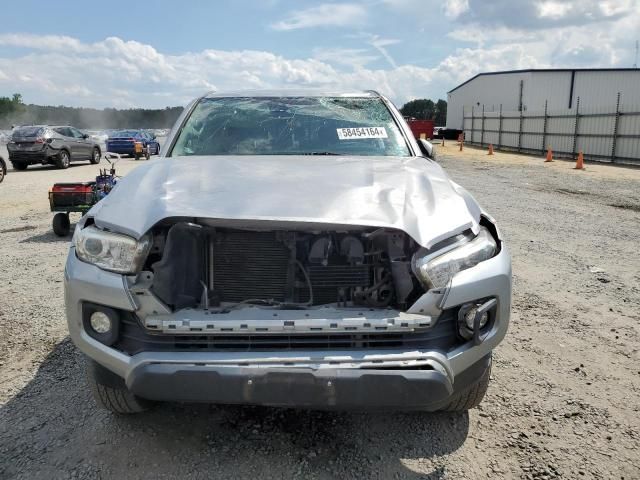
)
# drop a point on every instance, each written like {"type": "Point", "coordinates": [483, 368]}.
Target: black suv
{"type": "Point", "coordinates": [42, 144]}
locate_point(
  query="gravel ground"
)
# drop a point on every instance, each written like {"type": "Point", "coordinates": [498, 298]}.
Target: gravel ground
{"type": "Point", "coordinates": [563, 402]}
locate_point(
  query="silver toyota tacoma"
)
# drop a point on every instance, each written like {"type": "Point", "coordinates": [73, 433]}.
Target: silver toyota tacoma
{"type": "Point", "coordinates": [290, 249]}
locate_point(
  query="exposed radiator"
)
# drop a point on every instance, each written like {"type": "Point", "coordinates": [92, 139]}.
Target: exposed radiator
{"type": "Point", "coordinates": [245, 265]}
{"type": "Point", "coordinates": [248, 265]}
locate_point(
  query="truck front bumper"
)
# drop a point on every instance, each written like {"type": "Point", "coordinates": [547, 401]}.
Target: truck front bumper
{"type": "Point", "coordinates": [423, 379]}
{"type": "Point", "coordinates": [327, 388]}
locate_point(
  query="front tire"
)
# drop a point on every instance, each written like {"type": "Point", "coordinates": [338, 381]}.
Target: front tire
{"type": "Point", "coordinates": [64, 160]}
{"type": "Point", "coordinates": [472, 396]}
{"type": "Point", "coordinates": [95, 156]}
{"type": "Point", "coordinates": [3, 170]}
{"type": "Point", "coordinates": [19, 165]}
{"type": "Point", "coordinates": [61, 224]}
{"type": "Point", "coordinates": [110, 392]}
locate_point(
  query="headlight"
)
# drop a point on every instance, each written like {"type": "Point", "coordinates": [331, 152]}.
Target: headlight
{"type": "Point", "coordinates": [111, 251]}
{"type": "Point", "coordinates": [435, 270]}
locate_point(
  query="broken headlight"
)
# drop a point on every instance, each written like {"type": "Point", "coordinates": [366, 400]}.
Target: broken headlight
{"type": "Point", "coordinates": [111, 251]}
{"type": "Point", "coordinates": [435, 270]}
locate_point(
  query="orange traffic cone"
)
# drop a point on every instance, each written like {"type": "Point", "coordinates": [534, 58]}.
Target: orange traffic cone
{"type": "Point", "coordinates": [579, 162]}
{"type": "Point", "coordinates": [549, 155]}
{"type": "Point", "coordinates": [490, 149]}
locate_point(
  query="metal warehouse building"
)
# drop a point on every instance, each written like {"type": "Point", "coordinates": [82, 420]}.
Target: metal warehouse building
{"type": "Point", "coordinates": [596, 111]}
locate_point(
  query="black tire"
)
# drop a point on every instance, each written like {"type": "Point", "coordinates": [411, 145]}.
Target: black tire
{"type": "Point", "coordinates": [110, 392]}
{"type": "Point", "coordinates": [95, 156]}
{"type": "Point", "coordinates": [19, 165]}
{"type": "Point", "coordinates": [472, 396]}
{"type": "Point", "coordinates": [3, 169]}
{"type": "Point", "coordinates": [64, 159]}
{"type": "Point", "coordinates": [61, 224]}
{"type": "Point", "coordinates": [157, 149]}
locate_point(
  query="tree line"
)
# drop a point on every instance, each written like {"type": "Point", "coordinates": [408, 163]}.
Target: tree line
{"type": "Point", "coordinates": [14, 112]}
{"type": "Point", "coordinates": [425, 109]}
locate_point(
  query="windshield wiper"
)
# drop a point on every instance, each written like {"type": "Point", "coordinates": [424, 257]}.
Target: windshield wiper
{"type": "Point", "coordinates": [320, 153]}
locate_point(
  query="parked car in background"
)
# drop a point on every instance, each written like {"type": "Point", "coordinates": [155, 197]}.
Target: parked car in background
{"type": "Point", "coordinates": [3, 169]}
{"type": "Point", "coordinates": [133, 142]}
{"type": "Point", "coordinates": [55, 145]}
{"type": "Point", "coordinates": [291, 249]}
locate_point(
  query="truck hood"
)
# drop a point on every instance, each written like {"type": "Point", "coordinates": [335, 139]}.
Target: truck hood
{"type": "Point", "coordinates": [411, 194]}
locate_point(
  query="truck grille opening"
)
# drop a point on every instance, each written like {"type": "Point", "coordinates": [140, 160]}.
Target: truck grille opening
{"type": "Point", "coordinates": [134, 338]}
{"type": "Point", "coordinates": [370, 268]}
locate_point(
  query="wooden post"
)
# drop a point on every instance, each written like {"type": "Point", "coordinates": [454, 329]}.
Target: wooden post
{"type": "Point", "coordinates": [520, 132]}
{"type": "Point", "coordinates": [482, 128]}
{"type": "Point", "coordinates": [576, 128]}
{"type": "Point", "coordinates": [472, 123]}
{"type": "Point", "coordinates": [615, 130]}
{"type": "Point", "coordinates": [500, 128]}
{"type": "Point", "coordinates": [544, 129]}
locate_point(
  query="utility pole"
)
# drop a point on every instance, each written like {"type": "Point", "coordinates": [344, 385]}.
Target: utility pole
{"type": "Point", "coordinates": [635, 63]}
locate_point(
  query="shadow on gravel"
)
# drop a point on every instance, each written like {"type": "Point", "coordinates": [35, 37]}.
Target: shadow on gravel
{"type": "Point", "coordinates": [48, 237]}
{"type": "Point", "coordinates": [52, 429]}
{"type": "Point", "coordinates": [47, 167]}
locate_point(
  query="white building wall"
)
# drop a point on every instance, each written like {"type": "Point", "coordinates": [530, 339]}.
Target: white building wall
{"type": "Point", "coordinates": [490, 90]}
{"type": "Point", "coordinates": [598, 89]}
{"type": "Point", "coordinates": [553, 87]}
{"type": "Point", "coordinates": [595, 89]}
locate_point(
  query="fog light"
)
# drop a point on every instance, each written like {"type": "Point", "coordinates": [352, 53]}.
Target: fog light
{"type": "Point", "coordinates": [100, 322]}
{"type": "Point", "coordinates": [470, 316]}
{"type": "Point", "coordinates": [484, 312]}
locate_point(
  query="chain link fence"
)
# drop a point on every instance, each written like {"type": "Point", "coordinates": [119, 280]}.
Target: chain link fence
{"type": "Point", "coordinates": [604, 134]}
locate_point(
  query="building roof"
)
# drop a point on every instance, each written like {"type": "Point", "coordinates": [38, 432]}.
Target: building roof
{"type": "Point", "coordinates": [530, 70]}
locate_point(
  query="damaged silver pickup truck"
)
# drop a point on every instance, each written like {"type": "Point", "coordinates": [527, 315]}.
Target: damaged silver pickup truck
{"type": "Point", "coordinates": [289, 249]}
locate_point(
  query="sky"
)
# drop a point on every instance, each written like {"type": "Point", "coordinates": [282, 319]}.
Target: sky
{"type": "Point", "coordinates": [154, 54]}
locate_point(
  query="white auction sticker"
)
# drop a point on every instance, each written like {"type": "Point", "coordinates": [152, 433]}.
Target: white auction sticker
{"type": "Point", "coordinates": [361, 132]}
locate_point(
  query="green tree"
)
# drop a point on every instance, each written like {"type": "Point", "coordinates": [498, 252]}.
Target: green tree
{"type": "Point", "coordinates": [440, 117]}
{"type": "Point", "coordinates": [420, 109]}
{"type": "Point", "coordinates": [14, 112]}
{"type": "Point", "coordinates": [10, 106]}
{"type": "Point", "coordinates": [425, 109]}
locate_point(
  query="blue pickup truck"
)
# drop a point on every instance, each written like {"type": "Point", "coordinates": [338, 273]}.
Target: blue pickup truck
{"type": "Point", "coordinates": [133, 142]}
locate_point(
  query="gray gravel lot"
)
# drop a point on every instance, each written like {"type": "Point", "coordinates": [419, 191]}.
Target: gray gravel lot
{"type": "Point", "coordinates": [563, 403]}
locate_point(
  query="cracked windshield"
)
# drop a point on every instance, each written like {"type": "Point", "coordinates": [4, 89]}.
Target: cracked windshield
{"type": "Point", "coordinates": [291, 126]}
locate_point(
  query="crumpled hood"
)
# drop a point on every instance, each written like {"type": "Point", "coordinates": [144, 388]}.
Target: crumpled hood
{"type": "Point", "coordinates": [407, 193]}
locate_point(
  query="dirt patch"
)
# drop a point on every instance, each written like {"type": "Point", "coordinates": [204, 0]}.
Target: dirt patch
{"type": "Point", "coordinates": [626, 206]}
{"type": "Point", "coordinates": [24, 228]}
{"type": "Point", "coordinates": [564, 395]}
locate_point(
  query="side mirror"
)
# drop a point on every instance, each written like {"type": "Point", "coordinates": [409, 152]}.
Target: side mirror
{"type": "Point", "coordinates": [85, 136]}
{"type": "Point", "coordinates": [154, 136]}
{"type": "Point", "coordinates": [427, 148]}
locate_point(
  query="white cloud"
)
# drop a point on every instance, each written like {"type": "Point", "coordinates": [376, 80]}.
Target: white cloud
{"type": "Point", "coordinates": [113, 72]}
{"type": "Point", "coordinates": [553, 9]}
{"type": "Point", "coordinates": [324, 15]}
{"type": "Point", "coordinates": [124, 74]}
{"type": "Point", "coordinates": [574, 34]}
{"type": "Point", "coordinates": [454, 8]}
